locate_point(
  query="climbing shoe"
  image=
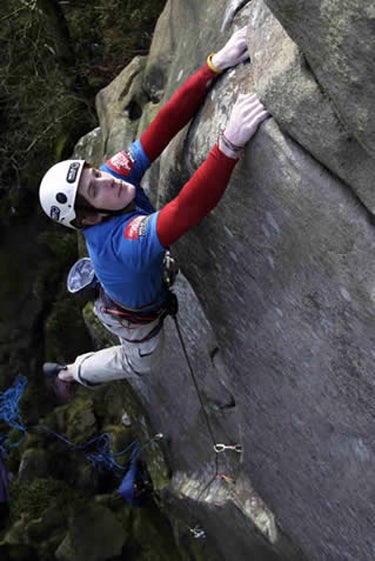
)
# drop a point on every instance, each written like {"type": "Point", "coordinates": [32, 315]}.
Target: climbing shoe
{"type": "Point", "coordinates": [62, 390]}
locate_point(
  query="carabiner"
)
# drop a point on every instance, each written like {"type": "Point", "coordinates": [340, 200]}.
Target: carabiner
{"type": "Point", "coordinates": [222, 447]}
{"type": "Point", "coordinates": [158, 436]}
{"type": "Point", "coordinates": [198, 533]}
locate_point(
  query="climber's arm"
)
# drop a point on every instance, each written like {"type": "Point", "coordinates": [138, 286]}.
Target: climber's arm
{"type": "Point", "coordinates": [184, 104]}
{"type": "Point", "coordinates": [206, 187]}
{"type": "Point", "coordinates": [197, 198]}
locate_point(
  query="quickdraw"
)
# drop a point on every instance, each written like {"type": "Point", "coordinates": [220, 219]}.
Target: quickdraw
{"type": "Point", "coordinates": [222, 447]}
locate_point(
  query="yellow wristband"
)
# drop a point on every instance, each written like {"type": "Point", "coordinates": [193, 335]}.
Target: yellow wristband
{"type": "Point", "coordinates": [211, 65]}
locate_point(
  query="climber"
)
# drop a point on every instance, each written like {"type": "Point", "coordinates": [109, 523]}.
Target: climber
{"type": "Point", "coordinates": [127, 239]}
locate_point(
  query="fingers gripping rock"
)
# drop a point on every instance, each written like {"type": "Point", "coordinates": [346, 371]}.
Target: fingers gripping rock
{"type": "Point", "coordinates": [233, 52]}
{"type": "Point", "coordinates": [247, 114]}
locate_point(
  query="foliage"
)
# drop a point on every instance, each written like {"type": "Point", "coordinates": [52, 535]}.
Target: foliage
{"type": "Point", "coordinates": [65, 332]}
{"type": "Point", "coordinates": [30, 500]}
{"type": "Point", "coordinates": [110, 34]}
{"type": "Point", "coordinates": [55, 57]}
{"type": "Point", "coordinates": [39, 102]}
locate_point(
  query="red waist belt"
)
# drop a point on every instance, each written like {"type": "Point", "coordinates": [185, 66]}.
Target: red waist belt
{"type": "Point", "coordinates": [134, 316]}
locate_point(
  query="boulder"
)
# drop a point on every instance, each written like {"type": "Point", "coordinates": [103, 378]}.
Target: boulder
{"type": "Point", "coordinates": [94, 533]}
{"type": "Point", "coordinates": [303, 108]}
{"type": "Point", "coordinates": [119, 107]}
{"type": "Point", "coordinates": [338, 40]}
{"type": "Point", "coordinates": [276, 296]}
{"type": "Point", "coordinates": [34, 464]}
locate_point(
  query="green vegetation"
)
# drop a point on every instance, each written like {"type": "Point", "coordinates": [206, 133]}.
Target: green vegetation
{"type": "Point", "coordinates": [57, 54]}
{"type": "Point", "coordinates": [55, 57]}
{"type": "Point", "coordinates": [30, 500]}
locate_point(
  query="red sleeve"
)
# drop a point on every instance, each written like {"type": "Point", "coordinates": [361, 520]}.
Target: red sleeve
{"type": "Point", "coordinates": [197, 198]}
{"type": "Point", "coordinates": [177, 112]}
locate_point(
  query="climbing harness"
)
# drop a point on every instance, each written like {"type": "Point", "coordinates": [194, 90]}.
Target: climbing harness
{"type": "Point", "coordinates": [83, 282]}
{"type": "Point", "coordinates": [147, 314]}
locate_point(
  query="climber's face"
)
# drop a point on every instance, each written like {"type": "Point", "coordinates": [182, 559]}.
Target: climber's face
{"type": "Point", "coordinates": [103, 191]}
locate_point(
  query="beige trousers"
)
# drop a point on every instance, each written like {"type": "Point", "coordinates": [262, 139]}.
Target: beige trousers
{"type": "Point", "coordinates": [131, 359]}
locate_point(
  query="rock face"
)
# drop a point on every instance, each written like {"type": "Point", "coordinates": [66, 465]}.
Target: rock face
{"type": "Point", "coordinates": [278, 313]}
{"type": "Point", "coordinates": [305, 108]}
{"type": "Point", "coordinates": [338, 40]}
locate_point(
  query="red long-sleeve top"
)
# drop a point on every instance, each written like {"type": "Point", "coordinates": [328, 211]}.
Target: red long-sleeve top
{"type": "Point", "coordinates": [205, 188]}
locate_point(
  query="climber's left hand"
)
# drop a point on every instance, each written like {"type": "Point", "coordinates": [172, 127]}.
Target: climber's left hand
{"type": "Point", "coordinates": [247, 114]}
{"type": "Point", "coordinates": [233, 52]}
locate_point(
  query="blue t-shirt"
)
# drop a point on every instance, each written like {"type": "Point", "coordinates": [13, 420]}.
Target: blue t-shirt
{"type": "Point", "coordinates": [125, 251]}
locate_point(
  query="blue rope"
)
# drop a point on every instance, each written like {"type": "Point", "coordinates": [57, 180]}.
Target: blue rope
{"type": "Point", "coordinates": [9, 404]}
{"type": "Point", "coordinates": [101, 458]}
{"type": "Point", "coordinates": [10, 412]}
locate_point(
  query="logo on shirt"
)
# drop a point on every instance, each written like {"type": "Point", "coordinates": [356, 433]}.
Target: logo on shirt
{"type": "Point", "coordinates": [136, 228]}
{"type": "Point", "coordinates": [122, 163]}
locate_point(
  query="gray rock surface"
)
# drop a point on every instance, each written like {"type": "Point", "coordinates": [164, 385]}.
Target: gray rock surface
{"type": "Point", "coordinates": [277, 311]}
{"type": "Point", "coordinates": [303, 108]}
{"type": "Point", "coordinates": [338, 40]}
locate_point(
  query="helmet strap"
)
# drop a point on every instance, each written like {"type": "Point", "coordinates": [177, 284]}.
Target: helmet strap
{"type": "Point", "coordinates": [108, 214]}
{"type": "Point", "coordinates": [131, 207]}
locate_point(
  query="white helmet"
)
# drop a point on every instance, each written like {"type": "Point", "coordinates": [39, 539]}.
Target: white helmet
{"type": "Point", "coordinates": [58, 190]}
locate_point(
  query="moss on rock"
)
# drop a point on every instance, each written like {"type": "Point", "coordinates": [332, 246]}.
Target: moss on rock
{"type": "Point", "coordinates": [76, 420]}
{"type": "Point", "coordinates": [30, 500]}
{"type": "Point", "coordinates": [34, 464]}
{"type": "Point", "coordinates": [94, 533]}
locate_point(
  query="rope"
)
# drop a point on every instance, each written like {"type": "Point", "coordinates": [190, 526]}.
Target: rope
{"type": "Point", "coordinates": [218, 447]}
{"type": "Point", "coordinates": [10, 413]}
{"type": "Point", "coordinates": [208, 423]}
{"type": "Point", "coordinates": [9, 404]}
{"type": "Point", "coordinates": [101, 458]}
{"type": "Point", "coordinates": [197, 532]}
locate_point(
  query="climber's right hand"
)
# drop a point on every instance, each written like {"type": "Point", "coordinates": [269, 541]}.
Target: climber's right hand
{"type": "Point", "coordinates": [233, 52]}
{"type": "Point", "coordinates": [247, 114]}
